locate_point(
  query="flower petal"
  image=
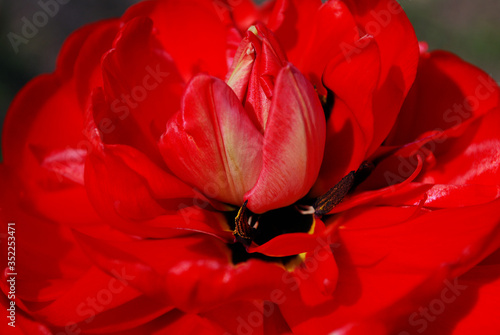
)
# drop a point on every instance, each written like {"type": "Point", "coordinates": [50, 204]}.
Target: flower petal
{"type": "Point", "coordinates": [292, 21]}
{"type": "Point", "coordinates": [293, 144]}
{"type": "Point", "coordinates": [350, 128]}
{"type": "Point", "coordinates": [386, 21]}
{"type": "Point", "coordinates": [211, 143]}
{"type": "Point", "coordinates": [473, 158]}
{"type": "Point", "coordinates": [291, 244]}
{"type": "Point", "coordinates": [140, 79]}
{"type": "Point", "coordinates": [470, 309]}
{"type": "Point", "coordinates": [197, 279]}
{"type": "Point", "coordinates": [246, 13]}
{"type": "Point", "coordinates": [195, 50]}
{"type": "Point", "coordinates": [329, 30]}
{"type": "Point", "coordinates": [447, 92]}
{"type": "Point", "coordinates": [392, 259]}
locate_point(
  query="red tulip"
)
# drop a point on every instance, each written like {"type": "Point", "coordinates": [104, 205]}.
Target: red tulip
{"type": "Point", "coordinates": [213, 167]}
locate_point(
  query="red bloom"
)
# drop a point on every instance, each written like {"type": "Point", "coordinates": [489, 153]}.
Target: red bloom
{"type": "Point", "coordinates": [209, 167]}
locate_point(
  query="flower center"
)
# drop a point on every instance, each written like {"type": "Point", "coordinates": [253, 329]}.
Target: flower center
{"type": "Point", "coordinates": [260, 228]}
{"type": "Point", "coordinates": [299, 217]}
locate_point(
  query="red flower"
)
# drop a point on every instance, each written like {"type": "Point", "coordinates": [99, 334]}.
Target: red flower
{"type": "Point", "coordinates": [219, 168]}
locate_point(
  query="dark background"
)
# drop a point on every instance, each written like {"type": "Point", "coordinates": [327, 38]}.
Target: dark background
{"type": "Point", "coordinates": [468, 28]}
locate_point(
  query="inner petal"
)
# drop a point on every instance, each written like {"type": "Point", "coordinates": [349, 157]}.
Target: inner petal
{"type": "Point", "coordinates": [212, 144]}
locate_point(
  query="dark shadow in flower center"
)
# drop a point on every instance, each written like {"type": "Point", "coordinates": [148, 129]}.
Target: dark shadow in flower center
{"type": "Point", "coordinates": [281, 221]}
{"type": "Point", "coordinates": [269, 225]}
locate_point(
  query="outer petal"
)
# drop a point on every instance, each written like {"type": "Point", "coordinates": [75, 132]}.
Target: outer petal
{"type": "Point", "coordinates": [195, 273]}
{"type": "Point", "coordinates": [199, 43]}
{"type": "Point", "coordinates": [292, 22]}
{"type": "Point", "coordinates": [391, 260]}
{"type": "Point", "coordinates": [293, 144]}
{"type": "Point", "coordinates": [93, 303]}
{"type": "Point", "coordinates": [470, 309]}
{"type": "Point", "coordinates": [473, 158]}
{"type": "Point", "coordinates": [374, 102]}
{"type": "Point", "coordinates": [291, 244]}
{"type": "Point", "coordinates": [142, 89]}
{"type": "Point", "coordinates": [460, 168]}
{"type": "Point", "coordinates": [246, 12]}
{"type": "Point", "coordinates": [252, 317]}
{"type": "Point", "coordinates": [48, 156]}
{"type": "Point", "coordinates": [87, 65]}
{"type": "Point", "coordinates": [324, 36]}
{"type": "Point", "coordinates": [211, 143]}
{"type": "Point", "coordinates": [138, 197]}
{"type": "Point", "coordinates": [399, 52]}
{"type": "Point", "coordinates": [39, 280]}
{"type": "Point", "coordinates": [350, 126]}
{"type": "Point", "coordinates": [447, 92]}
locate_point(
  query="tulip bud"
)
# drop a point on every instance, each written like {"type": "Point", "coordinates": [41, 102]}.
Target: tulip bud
{"type": "Point", "coordinates": [252, 77]}
{"type": "Point", "coordinates": [258, 137]}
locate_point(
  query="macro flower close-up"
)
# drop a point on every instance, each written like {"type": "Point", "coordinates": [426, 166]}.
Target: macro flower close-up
{"type": "Point", "coordinates": [226, 167]}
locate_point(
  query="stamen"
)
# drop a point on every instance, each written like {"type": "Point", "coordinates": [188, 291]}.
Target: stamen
{"type": "Point", "coordinates": [335, 195]}
{"type": "Point", "coordinates": [243, 228]}
{"type": "Point", "coordinates": [256, 225]}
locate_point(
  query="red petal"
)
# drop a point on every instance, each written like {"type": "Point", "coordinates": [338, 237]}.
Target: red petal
{"type": "Point", "coordinates": [399, 52]}
{"type": "Point", "coordinates": [473, 158]}
{"type": "Point", "coordinates": [344, 149]}
{"type": "Point", "coordinates": [39, 280]}
{"type": "Point", "coordinates": [316, 276]}
{"type": "Point", "coordinates": [135, 184]}
{"type": "Point", "coordinates": [351, 125]}
{"type": "Point", "coordinates": [199, 43]}
{"type": "Point", "coordinates": [292, 22]}
{"type": "Point", "coordinates": [447, 92]}
{"type": "Point", "coordinates": [390, 262]}
{"type": "Point", "coordinates": [95, 303]}
{"type": "Point", "coordinates": [293, 144]}
{"type": "Point", "coordinates": [246, 13]}
{"type": "Point", "coordinates": [194, 273]}
{"type": "Point", "coordinates": [375, 101]}
{"type": "Point", "coordinates": [211, 143]}
{"type": "Point", "coordinates": [88, 72]}
{"type": "Point", "coordinates": [471, 309]}
{"type": "Point", "coordinates": [32, 139]}
{"type": "Point", "coordinates": [293, 243]}
{"type": "Point", "coordinates": [327, 34]}
{"type": "Point", "coordinates": [177, 322]}
{"type": "Point", "coordinates": [269, 60]}
{"type": "Point", "coordinates": [242, 316]}
{"type": "Point", "coordinates": [142, 89]}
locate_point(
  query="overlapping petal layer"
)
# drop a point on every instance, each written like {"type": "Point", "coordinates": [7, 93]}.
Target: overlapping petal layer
{"type": "Point", "coordinates": [123, 230]}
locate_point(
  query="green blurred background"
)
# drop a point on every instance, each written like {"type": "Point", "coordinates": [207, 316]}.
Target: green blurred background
{"type": "Point", "coordinates": [468, 28]}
